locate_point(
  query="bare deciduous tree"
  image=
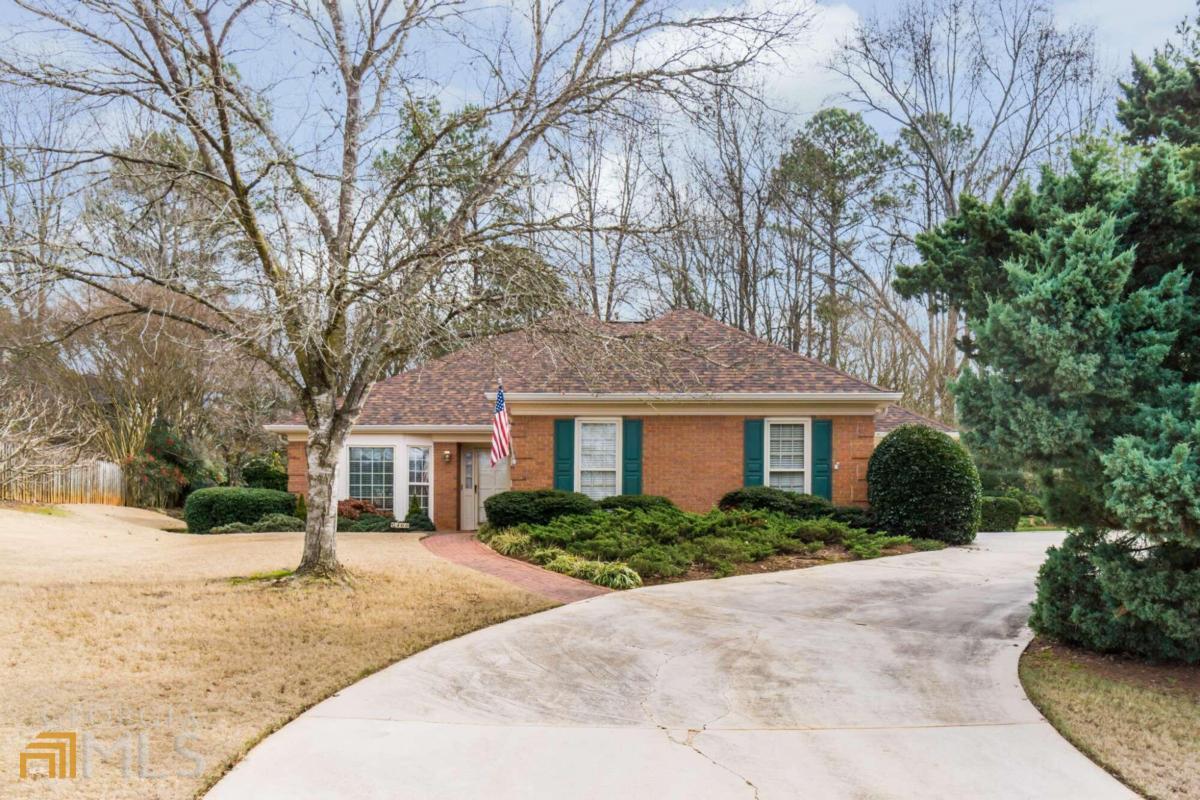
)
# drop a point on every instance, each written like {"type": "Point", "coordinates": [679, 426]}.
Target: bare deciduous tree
{"type": "Point", "coordinates": [357, 215]}
{"type": "Point", "coordinates": [981, 91]}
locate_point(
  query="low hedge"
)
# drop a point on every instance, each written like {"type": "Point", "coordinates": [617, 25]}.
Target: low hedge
{"type": "Point", "coordinates": [630, 501]}
{"type": "Point", "coordinates": [765, 498]}
{"type": "Point", "coordinates": [999, 514]}
{"type": "Point", "coordinates": [208, 508]}
{"type": "Point", "coordinates": [537, 507]}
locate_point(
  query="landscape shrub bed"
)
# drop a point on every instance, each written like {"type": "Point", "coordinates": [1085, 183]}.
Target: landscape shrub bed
{"type": "Point", "coordinates": [215, 506]}
{"type": "Point", "coordinates": [999, 514]}
{"type": "Point", "coordinates": [662, 542]}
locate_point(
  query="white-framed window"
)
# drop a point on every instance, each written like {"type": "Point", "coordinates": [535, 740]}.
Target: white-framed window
{"type": "Point", "coordinates": [418, 476]}
{"type": "Point", "coordinates": [372, 475]}
{"type": "Point", "coordinates": [788, 448]}
{"type": "Point", "coordinates": [597, 457]}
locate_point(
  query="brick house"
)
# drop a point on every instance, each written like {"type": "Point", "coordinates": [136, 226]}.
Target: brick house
{"type": "Point", "coordinates": [681, 406]}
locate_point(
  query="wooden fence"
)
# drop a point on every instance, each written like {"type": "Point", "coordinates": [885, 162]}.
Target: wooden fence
{"type": "Point", "coordinates": [89, 482]}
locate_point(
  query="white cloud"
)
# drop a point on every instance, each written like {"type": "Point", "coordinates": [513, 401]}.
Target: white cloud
{"type": "Point", "coordinates": [797, 79]}
{"type": "Point", "coordinates": [1123, 28]}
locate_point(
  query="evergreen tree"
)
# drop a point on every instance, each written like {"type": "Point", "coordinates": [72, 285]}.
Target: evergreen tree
{"type": "Point", "coordinates": [1162, 97]}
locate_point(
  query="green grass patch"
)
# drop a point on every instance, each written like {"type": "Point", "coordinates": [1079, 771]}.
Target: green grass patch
{"type": "Point", "coordinates": [259, 577]}
{"type": "Point", "coordinates": [33, 508]}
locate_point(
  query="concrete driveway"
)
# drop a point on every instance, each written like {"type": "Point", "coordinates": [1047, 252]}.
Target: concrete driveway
{"type": "Point", "coordinates": [894, 678]}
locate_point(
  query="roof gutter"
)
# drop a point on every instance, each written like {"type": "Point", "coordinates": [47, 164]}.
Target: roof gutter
{"type": "Point", "coordinates": [698, 397]}
{"type": "Point", "coordinates": [446, 429]}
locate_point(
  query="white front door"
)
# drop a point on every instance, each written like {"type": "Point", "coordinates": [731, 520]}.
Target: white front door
{"type": "Point", "coordinates": [479, 481]}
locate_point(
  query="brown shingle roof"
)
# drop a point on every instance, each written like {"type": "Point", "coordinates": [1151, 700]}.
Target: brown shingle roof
{"type": "Point", "coordinates": [895, 416]}
{"type": "Point", "coordinates": [680, 351]}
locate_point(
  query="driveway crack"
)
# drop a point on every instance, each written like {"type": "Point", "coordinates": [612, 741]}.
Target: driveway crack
{"type": "Point", "coordinates": [690, 743]}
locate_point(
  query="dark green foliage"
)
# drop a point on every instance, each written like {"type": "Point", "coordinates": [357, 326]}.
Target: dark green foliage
{"type": "Point", "coordinates": [1162, 97]}
{"type": "Point", "coordinates": [1031, 504]}
{"type": "Point", "coordinates": [764, 498]}
{"type": "Point", "coordinates": [301, 507]}
{"type": "Point", "coordinates": [265, 472]}
{"type": "Point", "coordinates": [629, 501]}
{"type": "Point", "coordinates": [855, 517]}
{"type": "Point", "coordinates": [536, 507]}
{"type": "Point", "coordinates": [1105, 596]}
{"type": "Point", "coordinates": [219, 505]}
{"type": "Point", "coordinates": [371, 523]}
{"type": "Point", "coordinates": [923, 484]}
{"type": "Point", "coordinates": [278, 522]}
{"type": "Point", "coordinates": [999, 514]}
{"type": "Point", "coordinates": [417, 518]}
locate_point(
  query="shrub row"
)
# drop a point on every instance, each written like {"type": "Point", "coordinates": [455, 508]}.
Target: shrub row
{"type": "Point", "coordinates": [206, 509]}
{"type": "Point", "coordinates": [797, 506]}
{"type": "Point", "coordinates": [539, 506]}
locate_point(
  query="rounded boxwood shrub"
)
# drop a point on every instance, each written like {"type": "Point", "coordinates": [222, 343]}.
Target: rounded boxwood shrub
{"type": "Point", "coordinates": [923, 484]}
{"type": "Point", "coordinates": [205, 509]}
{"type": "Point", "coordinates": [765, 498]}
{"type": "Point", "coordinates": [635, 501]}
{"type": "Point", "coordinates": [999, 514]}
{"type": "Point", "coordinates": [536, 507]}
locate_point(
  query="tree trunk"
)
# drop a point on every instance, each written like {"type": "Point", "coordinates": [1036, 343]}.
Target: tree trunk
{"type": "Point", "coordinates": [320, 532]}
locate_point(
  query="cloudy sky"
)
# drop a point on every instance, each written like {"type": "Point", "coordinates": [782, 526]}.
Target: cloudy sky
{"type": "Point", "coordinates": [1120, 31]}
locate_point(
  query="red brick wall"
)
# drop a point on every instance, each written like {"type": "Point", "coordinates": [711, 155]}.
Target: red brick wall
{"type": "Point", "coordinates": [445, 486]}
{"type": "Point", "coordinates": [853, 443]}
{"type": "Point", "coordinates": [692, 459]}
{"type": "Point", "coordinates": [533, 445]}
{"type": "Point", "coordinates": [297, 467]}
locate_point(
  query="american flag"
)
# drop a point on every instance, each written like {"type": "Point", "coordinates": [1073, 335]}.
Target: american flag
{"type": "Point", "coordinates": [501, 429]}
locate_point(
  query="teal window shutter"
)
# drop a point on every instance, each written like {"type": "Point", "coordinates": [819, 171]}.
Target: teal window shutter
{"type": "Point", "coordinates": [564, 454]}
{"type": "Point", "coordinates": [822, 458]}
{"type": "Point", "coordinates": [752, 453]}
{"type": "Point", "coordinates": [631, 456]}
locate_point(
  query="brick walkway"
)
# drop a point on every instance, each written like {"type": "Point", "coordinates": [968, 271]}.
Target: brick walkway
{"type": "Point", "coordinates": [465, 549]}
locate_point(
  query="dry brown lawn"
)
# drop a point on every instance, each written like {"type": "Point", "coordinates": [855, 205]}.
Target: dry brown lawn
{"type": "Point", "coordinates": [1139, 721]}
{"type": "Point", "coordinates": [137, 639]}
